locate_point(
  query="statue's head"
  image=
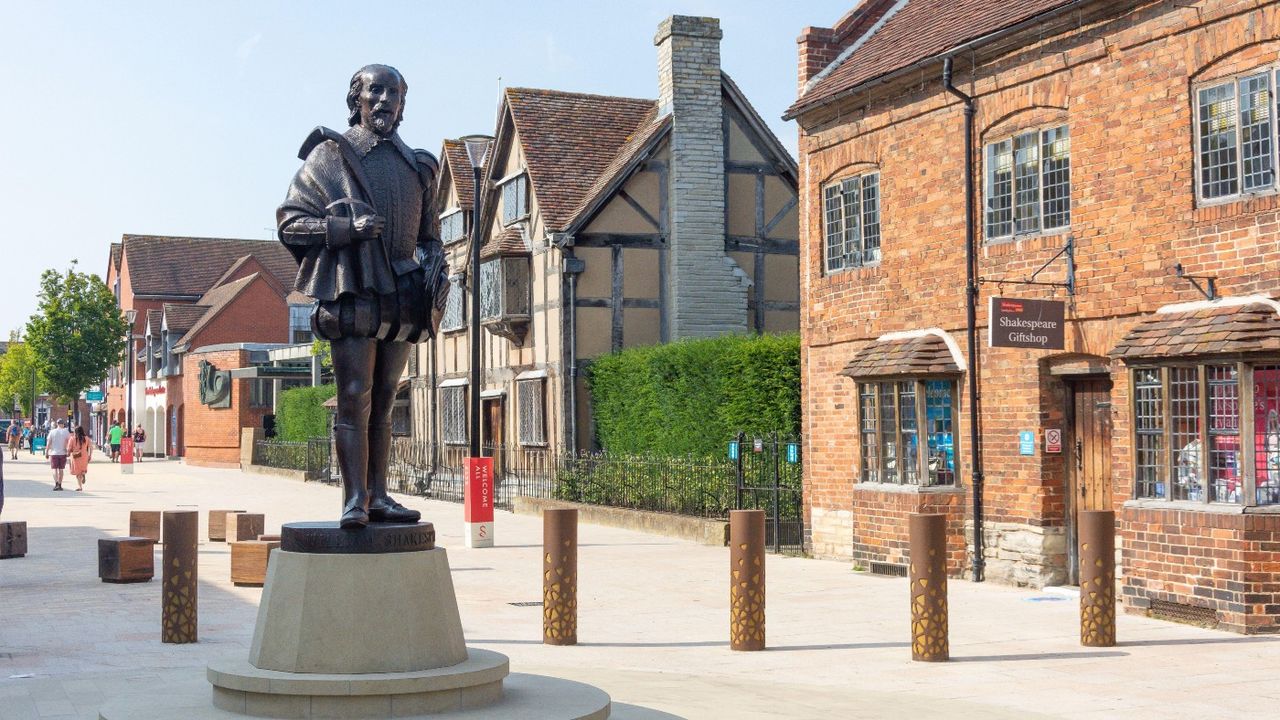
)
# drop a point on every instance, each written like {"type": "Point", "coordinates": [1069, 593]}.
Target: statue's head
{"type": "Point", "coordinates": [376, 99]}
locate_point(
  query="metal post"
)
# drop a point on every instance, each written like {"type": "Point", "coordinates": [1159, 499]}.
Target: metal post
{"type": "Point", "coordinates": [739, 438]}
{"type": "Point", "coordinates": [178, 595]}
{"type": "Point", "coordinates": [777, 497]}
{"type": "Point", "coordinates": [560, 577]}
{"type": "Point", "coordinates": [1097, 578]}
{"type": "Point", "coordinates": [746, 579]}
{"type": "Point", "coordinates": [929, 641]}
{"type": "Point", "coordinates": [474, 278]}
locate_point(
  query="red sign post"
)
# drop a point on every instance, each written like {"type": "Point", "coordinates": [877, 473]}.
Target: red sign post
{"type": "Point", "coordinates": [126, 454]}
{"type": "Point", "coordinates": [477, 508]}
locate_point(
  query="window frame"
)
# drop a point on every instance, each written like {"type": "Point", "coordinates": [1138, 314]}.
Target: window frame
{"type": "Point", "coordinates": [456, 304]}
{"type": "Point", "coordinates": [522, 194]}
{"type": "Point", "coordinates": [921, 478]}
{"type": "Point", "coordinates": [1040, 130]}
{"type": "Point", "coordinates": [538, 417]}
{"type": "Point", "coordinates": [459, 436]}
{"type": "Point", "coordinates": [860, 250]}
{"type": "Point", "coordinates": [1246, 434]}
{"type": "Point", "coordinates": [449, 215]}
{"type": "Point", "coordinates": [302, 312]}
{"type": "Point", "coordinates": [1272, 73]}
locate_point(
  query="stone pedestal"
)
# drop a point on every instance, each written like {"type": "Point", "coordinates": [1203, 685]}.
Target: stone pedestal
{"type": "Point", "coordinates": [345, 632]}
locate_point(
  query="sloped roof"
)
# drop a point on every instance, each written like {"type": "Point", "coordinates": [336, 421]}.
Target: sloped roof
{"type": "Point", "coordinates": [507, 242]}
{"type": "Point", "coordinates": [461, 170]}
{"type": "Point", "coordinates": [1209, 330]}
{"type": "Point", "coordinates": [650, 130]}
{"type": "Point", "coordinates": [216, 299]}
{"type": "Point", "coordinates": [181, 317]}
{"type": "Point", "coordinates": [916, 31]}
{"type": "Point", "coordinates": [115, 255]}
{"type": "Point", "coordinates": [153, 322]}
{"type": "Point", "coordinates": [568, 140]}
{"type": "Point", "coordinates": [903, 356]}
{"type": "Point", "coordinates": [176, 266]}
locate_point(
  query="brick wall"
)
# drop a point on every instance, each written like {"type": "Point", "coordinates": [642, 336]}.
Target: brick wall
{"type": "Point", "coordinates": [1123, 86]}
{"type": "Point", "coordinates": [212, 435]}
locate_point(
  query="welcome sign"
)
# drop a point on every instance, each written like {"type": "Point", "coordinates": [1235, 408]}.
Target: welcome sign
{"type": "Point", "coordinates": [1017, 323]}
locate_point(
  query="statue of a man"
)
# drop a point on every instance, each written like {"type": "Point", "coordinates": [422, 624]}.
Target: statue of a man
{"type": "Point", "coordinates": [358, 219]}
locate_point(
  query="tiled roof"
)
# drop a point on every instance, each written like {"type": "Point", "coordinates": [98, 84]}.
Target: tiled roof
{"type": "Point", "coordinates": [115, 256]}
{"type": "Point", "coordinates": [568, 140]}
{"type": "Point", "coordinates": [153, 322]}
{"type": "Point", "coordinates": [181, 318]}
{"type": "Point", "coordinates": [1223, 330]}
{"type": "Point", "coordinates": [216, 299]}
{"type": "Point", "coordinates": [507, 242]}
{"type": "Point", "coordinates": [919, 355]}
{"type": "Point", "coordinates": [161, 265]}
{"type": "Point", "coordinates": [460, 169]}
{"type": "Point", "coordinates": [649, 129]}
{"type": "Point", "coordinates": [919, 30]}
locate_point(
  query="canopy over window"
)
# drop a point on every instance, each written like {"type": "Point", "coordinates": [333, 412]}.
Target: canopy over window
{"type": "Point", "coordinates": [905, 354]}
{"type": "Point", "coordinates": [1218, 328]}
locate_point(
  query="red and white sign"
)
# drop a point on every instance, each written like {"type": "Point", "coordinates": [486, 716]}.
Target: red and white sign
{"type": "Point", "coordinates": [477, 507]}
{"type": "Point", "coordinates": [126, 454]}
{"type": "Point", "coordinates": [1053, 440]}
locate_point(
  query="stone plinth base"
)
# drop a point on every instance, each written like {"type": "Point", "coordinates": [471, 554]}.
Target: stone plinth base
{"type": "Point", "coordinates": [358, 613]}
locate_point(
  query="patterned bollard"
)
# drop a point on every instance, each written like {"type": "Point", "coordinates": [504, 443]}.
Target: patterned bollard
{"type": "Point", "coordinates": [1097, 578]}
{"type": "Point", "coordinates": [560, 577]}
{"type": "Point", "coordinates": [929, 641]}
{"type": "Point", "coordinates": [181, 530]}
{"type": "Point", "coordinates": [746, 579]}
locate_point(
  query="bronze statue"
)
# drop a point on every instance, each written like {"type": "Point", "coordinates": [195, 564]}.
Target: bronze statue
{"type": "Point", "coordinates": [358, 219]}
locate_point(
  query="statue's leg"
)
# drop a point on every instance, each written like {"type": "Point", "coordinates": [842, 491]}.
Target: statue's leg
{"type": "Point", "coordinates": [391, 359]}
{"type": "Point", "coordinates": [353, 366]}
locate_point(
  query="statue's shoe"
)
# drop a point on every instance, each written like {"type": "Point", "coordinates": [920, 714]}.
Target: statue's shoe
{"type": "Point", "coordinates": [354, 519]}
{"type": "Point", "coordinates": [386, 510]}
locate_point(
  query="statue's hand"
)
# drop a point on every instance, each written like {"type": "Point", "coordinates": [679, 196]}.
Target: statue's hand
{"type": "Point", "coordinates": [367, 227]}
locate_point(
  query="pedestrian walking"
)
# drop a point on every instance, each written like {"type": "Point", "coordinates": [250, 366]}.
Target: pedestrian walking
{"type": "Point", "coordinates": [28, 437]}
{"type": "Point", "coordinates": [80, 450]}
{"type": "Point", "coordinates": [114, 436]}
{"type": "Point", "coordinates": [56, 450]}
{"type": "Point", "coordinates": [139, 437]}
{"type": "Point", "coordinates": [15, 438]}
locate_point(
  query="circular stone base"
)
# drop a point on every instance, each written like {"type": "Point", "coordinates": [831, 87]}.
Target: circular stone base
{"type": "Point", "coordinates": [245, 689]}
{"type": "Point", "coordinates": [525, 697]}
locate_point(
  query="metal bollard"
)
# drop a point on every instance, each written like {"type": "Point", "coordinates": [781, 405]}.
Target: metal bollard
{"type": "Point", "coordinates": [560, 577]}
{"type": "Point", "coordinates": [1097, 578]}
{"type": "Point", "coordinates": [746, 579]}
{"type": "Point", "coordinates": [179, 587]}
{"type": "Point", "coordinates": [929, 642]}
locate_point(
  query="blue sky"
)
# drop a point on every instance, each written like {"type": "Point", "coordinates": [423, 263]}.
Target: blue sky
{"type": "Point", "coordinates": [184, 118]}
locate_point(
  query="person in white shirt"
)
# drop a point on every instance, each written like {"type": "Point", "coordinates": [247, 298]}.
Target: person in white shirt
{"type": "Point", "coordinates": [56, 450]}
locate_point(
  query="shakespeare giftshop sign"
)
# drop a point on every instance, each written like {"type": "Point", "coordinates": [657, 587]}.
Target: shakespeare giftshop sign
{"type": "Point", "coordinates": [1036, 324]}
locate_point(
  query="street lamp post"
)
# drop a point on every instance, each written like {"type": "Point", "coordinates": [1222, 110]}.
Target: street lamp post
{"type": "Point", "coordinates": [126, 458]}
{"type": "Point", "coordinates": [478, 510]}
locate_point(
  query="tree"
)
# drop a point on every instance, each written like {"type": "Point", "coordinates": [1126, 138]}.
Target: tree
{"type": "Point", "coordinates": [77, 333]}
{"type": "Point", "coordinates": [16, 368]}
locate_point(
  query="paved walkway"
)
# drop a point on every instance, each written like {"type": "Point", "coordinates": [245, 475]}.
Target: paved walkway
{"type": "Point", "coordinates": [652, 621]}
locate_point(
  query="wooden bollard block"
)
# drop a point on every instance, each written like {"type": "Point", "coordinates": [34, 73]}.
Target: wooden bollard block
{"type": "Point", "coordinates": [245, 526]}
{"type": "Point", "coordinates": [560, 577]}
{"type": "Point", "coordinates": [178, 592]}
{"type": "Point", "coordinates": [249, 560]}
{"type": "Point", "coordinates": [1097, 578]}
{"type": "Point", "coordinates": [268, 538]}
{"type": "Point", "coordinates": [126, 559]}
{"type": "Point", "coordinates": [746, 580]}
{"type": "Point", "coordinates": [929, 626]}
{"type": "Point", "coordinates": [145, 523]}
{"type": "Point", "coordinates": [218, 524]}
{"type": "Point", "coordinates": [13, 539]}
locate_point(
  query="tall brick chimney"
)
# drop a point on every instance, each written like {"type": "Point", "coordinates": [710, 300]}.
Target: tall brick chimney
{"type": "Point", "coordinates": [706, 291]}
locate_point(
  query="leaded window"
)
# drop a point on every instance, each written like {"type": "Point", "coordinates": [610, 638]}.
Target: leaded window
{"type": "Point", "coordinates": [532, 408]}
{"type": "Point", "coordinates": [852, 222]}
{"type": "Point", "coordinates": [452, 227]}
{"type": "Point", "coordinates": [906, 431]}
{"type": "Point", "coordinates": [1189, 428]}
{"type": "Point", "coordinates": [491, 289]}
{"type": "Point", "coordinates": [455, 307]}
{"type": "Point", "coordinates": [453, 414]}
{"type": "Point", "coordinates": [300, 324]}
{"type": "Point", "coordinates": [1028, 187]}
{"type": "Point", "coordinates": [515, 199]}
{"type": "Point", "coordinates": [1236, 135]}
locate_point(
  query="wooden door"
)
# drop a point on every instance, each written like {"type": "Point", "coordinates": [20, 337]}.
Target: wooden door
{"type": "Point", "coordinates": [1088, 458]}
{"type": "Point", "coordinates": [491, 438]}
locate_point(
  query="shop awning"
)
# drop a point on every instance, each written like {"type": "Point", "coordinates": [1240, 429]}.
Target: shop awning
{"type": "Point", "coordinates": [1229, 326]}
{"type": "Point", "coordinates": [906, 354]}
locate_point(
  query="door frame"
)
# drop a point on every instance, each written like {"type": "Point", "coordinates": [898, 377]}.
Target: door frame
{"type": "Point", "coordinates": [1071, 476]}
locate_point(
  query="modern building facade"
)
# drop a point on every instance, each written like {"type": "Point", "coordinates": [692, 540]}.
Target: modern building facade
{"type": "Point", "coordinates": [1124, 155]}
{"type": "Point", "coordinates": [607, 223]}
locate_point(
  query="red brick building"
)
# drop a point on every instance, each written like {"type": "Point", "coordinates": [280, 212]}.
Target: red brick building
{"type": "Point", "coordinates": [1113, 143]}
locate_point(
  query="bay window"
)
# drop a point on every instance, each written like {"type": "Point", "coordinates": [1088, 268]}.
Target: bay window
{"type": "Point", "coordinates": [907, 431]}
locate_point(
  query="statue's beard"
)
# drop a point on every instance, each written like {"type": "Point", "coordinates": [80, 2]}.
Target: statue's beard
{"type": "Point", "coordinates": [382, 122]}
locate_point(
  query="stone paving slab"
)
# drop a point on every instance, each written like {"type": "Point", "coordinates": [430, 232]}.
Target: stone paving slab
{"type": "Point", "coordinates": [653, 621]}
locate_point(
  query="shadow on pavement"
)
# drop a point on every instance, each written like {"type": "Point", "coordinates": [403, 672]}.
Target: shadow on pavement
{"type": "Point", "coordinates": [1040, 656]}
{"type": "Point", "coordinates": [1197, 641]}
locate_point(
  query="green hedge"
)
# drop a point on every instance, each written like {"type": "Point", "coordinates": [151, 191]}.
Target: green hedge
{"type": "Point", "coordinates": [301, 414]}
{"type": "Point", "coordinates": [689, 397]}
